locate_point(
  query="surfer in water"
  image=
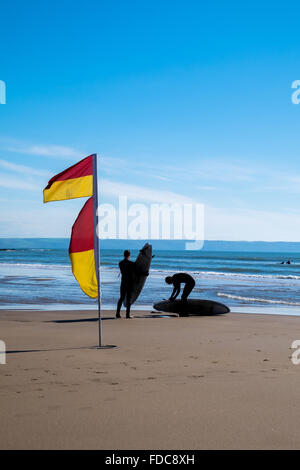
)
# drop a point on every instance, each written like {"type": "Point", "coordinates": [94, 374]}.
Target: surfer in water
{"type": "Point", "coordinates": [177, 280]}
{"type": "Point", "coordinates": [127, 269]}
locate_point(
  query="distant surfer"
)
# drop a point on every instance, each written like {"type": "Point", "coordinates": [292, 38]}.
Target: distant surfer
{"type": "Point", "coordinates": [127, 269]}
{"type": "Point", "coordinates": [177, 280]}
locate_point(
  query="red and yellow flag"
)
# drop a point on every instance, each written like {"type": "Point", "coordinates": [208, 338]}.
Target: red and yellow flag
{"type": "Point", "coordinates": [74, 182]}
{"type": "Point", "coordinates": [81, 251]}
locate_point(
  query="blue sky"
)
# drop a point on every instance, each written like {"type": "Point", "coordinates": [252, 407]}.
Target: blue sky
{"type": "Point", "coordinates": [181, 100]}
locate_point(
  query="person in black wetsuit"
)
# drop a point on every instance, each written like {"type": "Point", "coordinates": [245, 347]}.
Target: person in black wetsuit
{"type": "Point", "coordinates": [127, 269]}
{"type": "Point", "coordinates": [176, 280]}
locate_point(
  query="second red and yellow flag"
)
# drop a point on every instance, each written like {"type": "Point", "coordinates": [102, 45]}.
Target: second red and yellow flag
{"type": "Point", "coordinates": [81, 251]}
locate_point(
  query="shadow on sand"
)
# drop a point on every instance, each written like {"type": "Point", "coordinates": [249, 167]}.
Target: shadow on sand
{"type": "Point", "coordinates": [18, 351]}
{"type": "Point", "coordinates": [110, 318]}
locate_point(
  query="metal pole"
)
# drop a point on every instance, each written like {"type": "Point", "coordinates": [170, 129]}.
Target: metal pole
{"type": "Point", "coordinates": [96, 241]}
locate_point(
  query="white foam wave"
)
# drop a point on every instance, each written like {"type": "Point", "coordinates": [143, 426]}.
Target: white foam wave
{"type": "Point", "coordinates": [167, 271]}
{"type": "Point", "coordinates": [254, 299]}
{"type": "Point", "coordinates": [35, 265]}
{"type": "Point", "coordinates": [51, 266]}
{"type": "Point", "coordinates": [237, 275]}
{"type": "Point", "coordinates": [259, 276]}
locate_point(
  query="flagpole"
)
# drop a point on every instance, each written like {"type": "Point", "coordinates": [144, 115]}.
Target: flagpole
{"type": "Point", "coordinates": [96, 242]}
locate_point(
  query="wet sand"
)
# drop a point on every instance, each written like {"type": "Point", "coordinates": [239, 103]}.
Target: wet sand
{"type": "Point", "coordinates": [222, 382]}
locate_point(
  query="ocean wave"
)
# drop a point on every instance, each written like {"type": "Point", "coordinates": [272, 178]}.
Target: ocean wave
{"type": "Point", "coordinates": [254, 299]}
{"type": "Point", "coordinates": [165, 271]}
{"type": "Point", "coordinates": [231, 274]}
{"type": "Point", "coordinates": [267, 276]}
{"type": "Point", "coordinates": [36, 265]}
{"type": "Point", "coordinates": [51, 266]}
{"type": "Point", "coordinates": [29, 250]}
{"type": "Point", "coordinates": [39, 249]}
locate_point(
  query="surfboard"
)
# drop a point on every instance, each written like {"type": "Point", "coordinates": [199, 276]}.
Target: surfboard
{"type": "Point", "coordinates": [142, 264]}
{"type": "Point", "coordinates": [199, 307]}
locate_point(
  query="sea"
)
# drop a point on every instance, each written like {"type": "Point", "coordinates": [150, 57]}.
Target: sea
{"type": "Point", "coordinates": [35, 277]}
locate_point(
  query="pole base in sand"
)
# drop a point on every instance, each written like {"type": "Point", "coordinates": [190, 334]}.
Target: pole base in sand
{"type": "Point", "coordinates": [107, 346]}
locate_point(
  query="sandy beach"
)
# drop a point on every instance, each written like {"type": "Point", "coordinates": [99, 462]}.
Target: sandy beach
{"type": "Point", "coordinates": [172, 383]}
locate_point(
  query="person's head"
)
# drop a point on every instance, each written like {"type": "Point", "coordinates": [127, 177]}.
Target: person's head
{"type": "Point", "coordinates": [168, 280]}
{"type": "Point", "coordinates": [127, 254]}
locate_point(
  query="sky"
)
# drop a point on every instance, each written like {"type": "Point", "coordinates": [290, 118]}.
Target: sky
{"type": "Point", "coordinates": [181, 100]}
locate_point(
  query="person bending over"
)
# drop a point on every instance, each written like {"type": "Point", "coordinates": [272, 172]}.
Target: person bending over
{"type": "Point", "coordinates": [177, 280]}
{"type": "Point", "coordinates": [127, 269]}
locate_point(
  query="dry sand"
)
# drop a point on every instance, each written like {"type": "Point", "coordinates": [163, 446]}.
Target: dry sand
{"type": "Point", "coordinates": [173, 383]}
